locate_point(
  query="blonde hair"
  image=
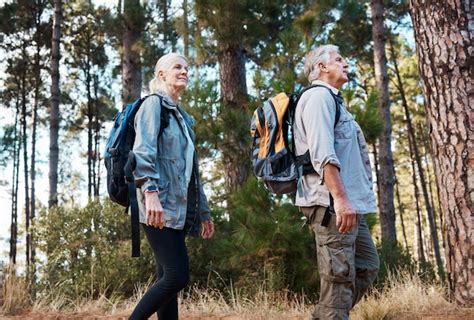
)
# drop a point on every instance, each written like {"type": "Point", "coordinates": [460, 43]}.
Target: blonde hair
{"type": "Point", "coordinates": [163, 63]}
{"type": "Point", "coordinates": [315, 57]}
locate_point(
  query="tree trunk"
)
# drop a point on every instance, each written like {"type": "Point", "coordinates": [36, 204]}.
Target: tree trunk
{"type": "Point", "coordinates": [376, 168]}
{"type": "Point", "coordinates": [185, 28]}
{"type": "Point", "coordinates": [131, 64]}
{"type": "Point", "coordinates": [427, 152]}
{"type": "Point", "coordinates": [38, 84]}
{"type": "Point", "coordinates": [418, 224]}
{"type": "Point", "coordinates": [444, 48]}
{"type": "Point", "coordinates": [233, 83]}
{"type": "Point", "coordinates": [24, 142]}
{"type": "Point", "coordinates": [419, 164]}
{"type": "Point", "coordinates": [163, 6]}
{"type": "Point", "coordinates": [401, 210]}
{"type": "Point", "coordinates": [96, 147]}
{"type": "Point", "coordinates": [54, 106]}
{"type": "Point", "coordinates": [387, 176]}
{"type": "Point", "coordinates": [15, 179]}
{"type": "Point", "coordinates": [90, 117]}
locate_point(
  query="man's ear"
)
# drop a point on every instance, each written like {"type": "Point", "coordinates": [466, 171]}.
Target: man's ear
{"type": "Point", "coordinates": [322, 67]}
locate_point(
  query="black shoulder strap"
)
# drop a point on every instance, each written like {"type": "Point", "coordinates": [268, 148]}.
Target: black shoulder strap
{"type": "Point", "coordinates": [133, 204]}
{"type": "Point", "coordinates": [336, 101]}
{"type": "Point", "coordinates": [164, 120]}
{"type": "Point", "coordinates": [304, 161]}
{"type": "Point", "coordinates": [164, 113]}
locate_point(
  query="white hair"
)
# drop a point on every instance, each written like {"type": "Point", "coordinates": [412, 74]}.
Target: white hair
{"type": "Point", "coordinates": [315, 57]}
{"type": "Point", "coordinates": [163, 63]}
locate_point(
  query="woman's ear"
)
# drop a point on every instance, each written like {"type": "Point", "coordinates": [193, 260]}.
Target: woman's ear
{"type": "Point", "coordinates": [161, 75]}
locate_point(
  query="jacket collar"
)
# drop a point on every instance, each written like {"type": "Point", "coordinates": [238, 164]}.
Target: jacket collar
{"type": "Point", "coordinates": [334, 90]}
{"type": "Point", "coordinates": [166, 100]}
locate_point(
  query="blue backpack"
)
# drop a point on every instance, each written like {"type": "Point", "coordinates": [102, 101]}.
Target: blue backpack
{"type": "Point", "coordinates": [120, 162]}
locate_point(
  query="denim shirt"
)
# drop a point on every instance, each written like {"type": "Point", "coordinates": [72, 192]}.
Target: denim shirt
{"type": "Point", "coordinates": [343, 146]}
{"type": "Point", "coordinates": [167, 164]}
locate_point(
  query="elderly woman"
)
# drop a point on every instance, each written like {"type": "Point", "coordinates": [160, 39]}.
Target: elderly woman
{"type": "Point", "coordinates": [170, 196]}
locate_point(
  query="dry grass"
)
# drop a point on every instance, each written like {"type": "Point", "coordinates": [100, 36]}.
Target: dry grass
{"type": "Point", "coordinates": [403, 297]}
{"type": "Point", "coordinates": [14, 292]}
{"type": "Point", "coordinates": [263, 305]}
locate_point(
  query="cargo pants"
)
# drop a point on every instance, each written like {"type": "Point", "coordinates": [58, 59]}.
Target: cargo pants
{"type": "Point", "coordinates": [348, 264]}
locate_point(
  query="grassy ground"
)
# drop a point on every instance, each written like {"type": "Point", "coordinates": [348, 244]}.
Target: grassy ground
{"type": "Point", "coordinates": [403, 297]}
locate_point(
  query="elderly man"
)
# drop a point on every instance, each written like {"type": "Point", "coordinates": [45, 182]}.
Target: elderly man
{"type": "Point", "coordinates": [336, 196]}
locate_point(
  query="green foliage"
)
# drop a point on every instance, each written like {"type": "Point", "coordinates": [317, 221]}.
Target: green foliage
{"type": "Point", "coordinates": [262, 242]}
{"type": "Point", "coordinates": [366, 114]}
{"type": "Point", "coordinates": [353, 31]}
{"type": "Point", "coordinates": [8, 141]}
{"type": "Point", "coordinates": [87, 251]}
{"type": "Point", "coordinates": [395, 258]}
{"type": "Point", "coordinates": [201, 100]}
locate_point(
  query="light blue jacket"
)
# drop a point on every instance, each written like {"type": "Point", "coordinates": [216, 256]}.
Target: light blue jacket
{"type": "Point", "coordinates": [167, 163]}
{"type": "Point", "coordinates": [343, 146]}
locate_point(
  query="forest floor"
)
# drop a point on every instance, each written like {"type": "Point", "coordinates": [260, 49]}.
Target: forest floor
{"type": "Point", "coordinates": [463, 314]}
{"type": "Point", "coordinates": [404, 297]}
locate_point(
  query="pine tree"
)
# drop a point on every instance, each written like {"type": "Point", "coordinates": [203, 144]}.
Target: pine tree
{"type": "Point", "coordinates": [385, 160]}
{"type": "Point", "coordinates": [54, 105]}
{"type": "Point", "coordinates": [443, 38]}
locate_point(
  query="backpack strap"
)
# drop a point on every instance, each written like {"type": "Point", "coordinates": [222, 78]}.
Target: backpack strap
{"type": "Point", "coordinates": [335, 97]}
{"type": "Point", "coordinates": [133, 204]}
{"type": "Point", "coordinates": [132, 189]}
{"type": "Point", "coordinates": [304, 161]}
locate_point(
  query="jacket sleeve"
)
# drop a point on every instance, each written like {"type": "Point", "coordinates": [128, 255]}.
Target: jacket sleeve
{"type": "Point", "coordinates": [145, 147]}
{"type": "Point", "coordinates": [204, 211]}
{"type": "Point", "coordinates": [319, 115]}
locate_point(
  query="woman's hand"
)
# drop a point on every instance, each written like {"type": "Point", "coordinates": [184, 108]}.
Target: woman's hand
{"type": "Point", "coordinates": [207, 229]}
{"type": "Point", "coordinates": [154, 210]}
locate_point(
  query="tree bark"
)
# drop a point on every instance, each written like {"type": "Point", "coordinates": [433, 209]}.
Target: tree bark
{"type": "Point", "coordinates": [387, 176]}
{"type": "Point", "coordinates": [185, 28]}
{"type": "Point", "coordinates": [444, 49]}
{"type": "Point", "coordinates": [432, 184]}
{"type": "Point", "coordinates": [418, 224]}
{"type": "Point", "coordinates": [419, 165]}
{"type": "Point", "coordinates": [24, 142]}
{"type": "Point", "coordinates": [15, 179]}
{"type": "Point", "coordinates": [90, 119]}
{"type": "Point", "coordinates": [54, 106]}
{"type": "Point", "coordinates": [131, 63]}
{"type": "Point", "coordinates": [96, 147]}
{"type": "Point", "coordinates": [376, 168]}
{"type": "Point", "coordinates": [38, 83]}
{"type": "Point", "coordinates": [401, 211]}
{"type": "Point", "coordinates": [233, 83]}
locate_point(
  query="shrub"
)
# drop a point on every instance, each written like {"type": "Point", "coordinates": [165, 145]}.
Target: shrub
{"type": "Point", "coordinates": [86, 251]}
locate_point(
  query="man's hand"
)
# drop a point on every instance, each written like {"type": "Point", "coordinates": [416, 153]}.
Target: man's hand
{"type": "Point", "coordinates": [207, 229]}
{"type": "Point", "coordinates": [154, 210]}
{"type": "Point", "coordinates": [346, 217]}
{"type": "Point", "coordinates": [345, 214]}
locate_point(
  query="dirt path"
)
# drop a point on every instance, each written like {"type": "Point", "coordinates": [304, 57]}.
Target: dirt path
{"type": "Point", "coordinates": [462, 315]}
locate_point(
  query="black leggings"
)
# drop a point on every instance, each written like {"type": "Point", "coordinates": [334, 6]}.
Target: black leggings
{"type": "Point", "coordinates": [172, 270]}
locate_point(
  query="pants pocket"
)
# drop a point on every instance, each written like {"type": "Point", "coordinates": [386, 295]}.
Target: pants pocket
{"type": "Point", "coordinates": [336, 255]}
